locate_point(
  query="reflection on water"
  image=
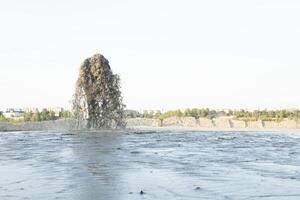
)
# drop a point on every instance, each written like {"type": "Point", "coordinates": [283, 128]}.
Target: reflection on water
{"type": "Point", "coordinates": [165, 165]}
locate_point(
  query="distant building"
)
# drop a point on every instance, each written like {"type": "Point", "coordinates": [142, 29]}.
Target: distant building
{"type": "Point", "coordinates": [13, 113]}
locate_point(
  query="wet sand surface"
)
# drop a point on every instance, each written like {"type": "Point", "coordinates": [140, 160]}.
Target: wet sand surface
{"type": "Point", "coordinates": [163, 164]}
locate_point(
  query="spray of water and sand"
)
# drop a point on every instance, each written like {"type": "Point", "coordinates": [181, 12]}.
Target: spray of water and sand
{"type": "Point", "coordinates": [97, 98]}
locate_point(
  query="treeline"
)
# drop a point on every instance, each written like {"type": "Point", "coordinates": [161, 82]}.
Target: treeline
{"type": "Point", "coordinates": [44, 115]}
{"type": "Point", "coordinates": [196, 113]}
{"type": "Point", "coordinates": [264, 115]}
{"type": "Point", "coordinates": [2, 118]}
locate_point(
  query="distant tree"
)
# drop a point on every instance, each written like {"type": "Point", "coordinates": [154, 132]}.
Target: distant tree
{"type": "Point", "coordinates": [2, 118]}
{"type": "Point", "coordinates": [158, 115]}
{"type": "Point", "coordinates": [36, 117]}
{"type": "Point", "coordinates": [44, 115]}
{"type": "Point", "coordinates": [47, 115]}
{"type": "Point", "coordinates": [264, 115]}
{"type": "Point", "coordinates": [52, 116]}
{"type": "Point", "coordinates": [65, 114]}
{"type": "Point", "coordinates": [28, 116]}
{"type": "Point", "coordinates": [230, 113]}
{"type": "Point", "coordinates": [172, 113]}
{"type": "Point", "coordinates": [130, 115]}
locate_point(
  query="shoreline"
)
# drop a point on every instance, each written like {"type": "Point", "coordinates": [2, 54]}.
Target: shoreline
{"type": "Point", "coordinates": [174, 124]}
{"type": "Point", "coordinates": [216, 124]}
{"type": "Point", "coordinates": [202, 129]}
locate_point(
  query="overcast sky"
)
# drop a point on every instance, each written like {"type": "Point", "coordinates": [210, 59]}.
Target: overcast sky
{"type": "Point", "coordinates": [169, 53]}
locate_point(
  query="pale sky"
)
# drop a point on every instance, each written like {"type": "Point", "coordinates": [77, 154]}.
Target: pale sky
{"type": "Point", "coordinates": [169, 53]}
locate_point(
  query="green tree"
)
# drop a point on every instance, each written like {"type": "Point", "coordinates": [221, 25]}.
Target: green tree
{"type": "Point", "coordinates": [28, 116]}
{"type": "Point", "coordinates": [2, 118]}
{"type": "Point", "coordinates": [36, 117]}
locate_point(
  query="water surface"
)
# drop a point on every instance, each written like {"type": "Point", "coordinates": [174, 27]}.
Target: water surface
{"type": "Point", "coordinates": [164, 164]}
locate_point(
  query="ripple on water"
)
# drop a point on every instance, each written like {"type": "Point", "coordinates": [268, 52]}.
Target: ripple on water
{"type": "Point", "coordinates": [168, 165]}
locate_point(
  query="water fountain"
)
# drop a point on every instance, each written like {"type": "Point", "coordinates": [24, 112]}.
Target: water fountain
{"type": "Point", "coordinates": [97, 101]}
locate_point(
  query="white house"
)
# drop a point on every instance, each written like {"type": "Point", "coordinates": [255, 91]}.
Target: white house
{"type": "Point", "coordinates": [12, 113]}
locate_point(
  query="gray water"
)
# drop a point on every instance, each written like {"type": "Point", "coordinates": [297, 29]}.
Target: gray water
{"type": "Point", "coordinates": [165, 165]}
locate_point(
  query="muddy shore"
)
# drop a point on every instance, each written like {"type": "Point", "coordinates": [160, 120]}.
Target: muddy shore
{"type": "Point", "coordinates": [219, 124]}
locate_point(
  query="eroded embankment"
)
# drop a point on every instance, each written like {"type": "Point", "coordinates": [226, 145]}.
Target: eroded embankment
{"type": "Point", "coordinates": [184, 122]}
{"type": "Point", "coordinates": [218, 123]}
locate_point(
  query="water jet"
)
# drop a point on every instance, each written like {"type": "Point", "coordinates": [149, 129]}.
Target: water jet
{"type": "Point", "coordinates": [97, 101]}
